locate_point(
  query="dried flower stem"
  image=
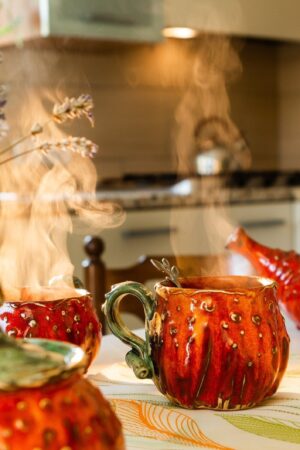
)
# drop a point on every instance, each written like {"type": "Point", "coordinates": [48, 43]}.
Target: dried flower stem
{"type": "Point", "coordinates": [18, 155]}
{"type": "Point", "coordinates": [79, 145]}
{"type": "Point", "coordinates": [71, 108]}
{"type": "Point", "coordinates": [22, 139]}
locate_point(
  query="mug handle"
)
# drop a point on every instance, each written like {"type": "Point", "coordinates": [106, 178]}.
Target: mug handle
{"type": "Point", "coordinates": [139, 357]}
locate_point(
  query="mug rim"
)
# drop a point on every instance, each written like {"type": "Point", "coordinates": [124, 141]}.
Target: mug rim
{"type": "Point", "coordinates": [262, 283]}
{"type": "Point", "coordinates": [79, 293]}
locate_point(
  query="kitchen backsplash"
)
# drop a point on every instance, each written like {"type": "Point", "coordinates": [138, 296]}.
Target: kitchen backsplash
{"type": "Point", "coordinates": [289, 105]}
{"type": "Point", "coordinates": [137, 89]}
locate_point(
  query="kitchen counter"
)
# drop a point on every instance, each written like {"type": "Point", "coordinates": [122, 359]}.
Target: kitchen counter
{"type": "Point", "coordinates": [196, 191]}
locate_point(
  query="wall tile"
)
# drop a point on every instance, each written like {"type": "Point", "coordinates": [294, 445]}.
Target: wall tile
{"type": "Point", "coordinates": [136, 89]}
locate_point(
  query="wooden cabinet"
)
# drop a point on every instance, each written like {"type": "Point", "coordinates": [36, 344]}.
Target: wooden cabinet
{"type": "Point", "coordinates": [109, 19]}
{"type": "Point", "coordinates": [205, 230]}
{"type": "Point", "coordinates": [126, 20]}
{"type": "Point", "coordinates": [275, 19]}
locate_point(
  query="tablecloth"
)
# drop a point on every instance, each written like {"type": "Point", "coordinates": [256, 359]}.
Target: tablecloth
{"type": "Point", "coordinates": [151, 422]}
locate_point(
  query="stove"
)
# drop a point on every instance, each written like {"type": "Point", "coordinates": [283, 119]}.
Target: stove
{"type": "Point", "coordinates": [169, 189]}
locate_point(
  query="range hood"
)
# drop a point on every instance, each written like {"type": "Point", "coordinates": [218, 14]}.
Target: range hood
{"type": "Point", "coordinates": [144, 20]}
{"type": "Point", "coordinates": [126, 20]}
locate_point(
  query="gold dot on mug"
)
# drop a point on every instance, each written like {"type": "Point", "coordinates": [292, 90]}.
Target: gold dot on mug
{"type": "Point", "coordinates": [235, 317]}
{"type": "Point", "coordinates": [19, 424]}
{"type": "Point", "coordinates": [234, 345]}
{"type": "Point", "coordinates": [173, 331]}
{"type": "Point", "coordinates": [45, 403]}
{"type": "Point", "coordinates": [32, 323]}
{"type": "Point", "coordinates": [256, 319]}
{"type": "Point", "coordinates": [21, 405]}
{"type": "Point", "coordinates": [208, 306]}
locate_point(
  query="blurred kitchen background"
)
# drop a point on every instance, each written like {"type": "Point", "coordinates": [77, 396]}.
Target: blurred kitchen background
{"type": "Point", "coordinates": [118, 51]}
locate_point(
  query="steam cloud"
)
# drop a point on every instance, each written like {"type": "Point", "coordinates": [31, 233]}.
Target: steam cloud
{"type": "Point", "coordinates": [216, 64]}
{"type": "Point", "coordinates": [40, 195]}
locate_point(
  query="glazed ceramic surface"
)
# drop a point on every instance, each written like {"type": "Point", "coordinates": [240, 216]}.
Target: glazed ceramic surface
{"type": "Point", "coordinates": [282, 266]}
{"type": "Point", "coordinates": [46, 404]}
{"type": "Point", "coordinates": [72, 319]}
{"type": "Point", "coordinates": [216, 343]}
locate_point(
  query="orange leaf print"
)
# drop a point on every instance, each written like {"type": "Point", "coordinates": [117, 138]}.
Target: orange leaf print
{"type": "Point", "coordinates": [157, 422]}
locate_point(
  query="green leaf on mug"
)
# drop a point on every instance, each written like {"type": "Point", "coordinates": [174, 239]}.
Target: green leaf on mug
{"type": "Point", "coordinates": [268, 428]}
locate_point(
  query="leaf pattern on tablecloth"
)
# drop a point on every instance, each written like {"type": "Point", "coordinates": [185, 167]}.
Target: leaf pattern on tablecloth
{"type": "Point", "coordinates": [268, 427]}
{"type": "Point", "coordinates": [157, 422]}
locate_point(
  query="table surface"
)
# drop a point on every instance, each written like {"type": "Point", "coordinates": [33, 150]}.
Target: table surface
{"type": "Point", "coordinates": [151, 421]}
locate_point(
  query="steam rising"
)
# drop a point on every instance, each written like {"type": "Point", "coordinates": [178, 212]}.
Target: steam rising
{"type": "Point", "coordinates": [48, 189]}
{"type": "Point", "coordinates": [216, 64]}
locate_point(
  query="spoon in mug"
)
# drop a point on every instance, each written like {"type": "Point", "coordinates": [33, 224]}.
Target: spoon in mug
{"type": "Point", "coordinates": [165, 267]}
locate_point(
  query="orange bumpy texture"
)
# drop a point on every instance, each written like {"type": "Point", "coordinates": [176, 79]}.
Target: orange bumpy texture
{"type": "Point", "coordinates": [71, 414]}
{"type": "Point", "coordinates": [218, 349]}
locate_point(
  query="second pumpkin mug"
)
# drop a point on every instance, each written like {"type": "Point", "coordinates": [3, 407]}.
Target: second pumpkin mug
{"type": "Point", "coordinates": [215, 342]}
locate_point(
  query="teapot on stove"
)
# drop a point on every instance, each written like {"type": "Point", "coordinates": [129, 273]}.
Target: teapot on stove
{"type": "Point", "coordinates": [220, 147]}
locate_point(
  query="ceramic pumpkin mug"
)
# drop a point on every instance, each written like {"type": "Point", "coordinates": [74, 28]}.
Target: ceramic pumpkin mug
{"type": "Point", "coordinates": [215, 342]}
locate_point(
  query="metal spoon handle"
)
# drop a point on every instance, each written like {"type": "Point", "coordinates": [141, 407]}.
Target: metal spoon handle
{"type": "Point", "coordinates": [165, 267]}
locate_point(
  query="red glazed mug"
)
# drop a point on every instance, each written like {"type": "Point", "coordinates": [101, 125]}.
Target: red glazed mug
{"type": "Point", "coordinates": [215, 342]}
{"type": "Point", "coordinates": [61, 314]}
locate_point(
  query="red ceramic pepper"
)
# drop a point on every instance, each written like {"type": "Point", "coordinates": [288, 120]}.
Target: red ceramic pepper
{"type": "Point", "coordinates": [72, 319]}
{"type": "Point", "coordinates": [46, 403]}
{"type": "Point", "coordinates": [282, 266]}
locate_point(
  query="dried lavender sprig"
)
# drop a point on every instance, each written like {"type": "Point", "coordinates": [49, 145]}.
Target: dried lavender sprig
{"type": "Point", "coordinates": [74, 108]}
{"type": "Point", "coordinates": [80, 145]}
{"type": "Point", "coordinates": [71, 108]}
